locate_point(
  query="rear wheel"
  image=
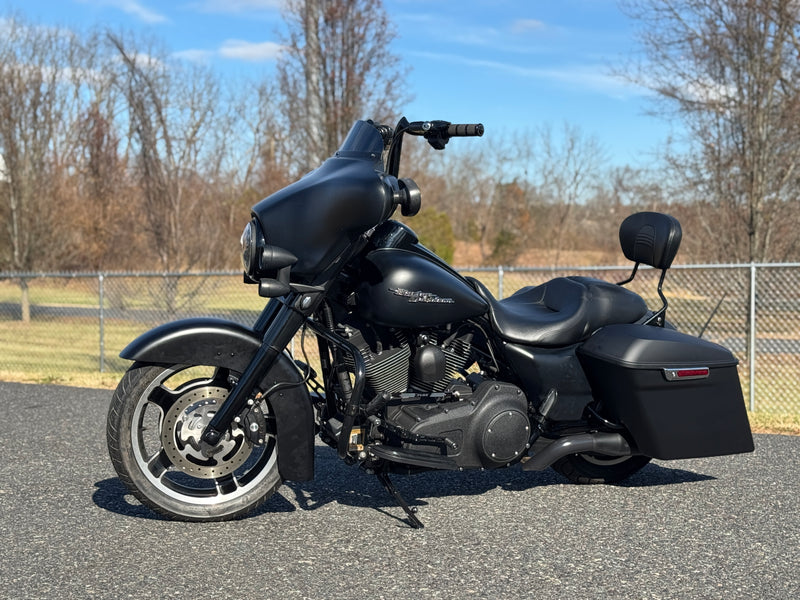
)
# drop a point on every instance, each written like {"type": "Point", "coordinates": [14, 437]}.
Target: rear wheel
{"type": "Point", "coordinates": [594, 468]}
{"type": "Point", "coordinates": [155, 420]}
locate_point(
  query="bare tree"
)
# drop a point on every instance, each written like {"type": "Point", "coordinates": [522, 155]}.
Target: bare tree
{"type": "Point", "coordinates": [262, 154]}
{"type": "Point", "coordinates": [563, 169]}
{"type": "Point", "coordinates": [507, 212]}
{"type": "Point", "coordinates": [172, 111]}
{"type": "Point", "coordinates": [337, 67]}
{"type": "Point", "coordinates": [40, 81]}
{"type": "Point", "coordinates": [473, 195]}
{"type": "Point", "coordinates": [176, 154]}
{"type": "Point", "coordinates": [728, 69]}
{"type": "Point", "coordinates": [99, 194]}
{"type": "Point", "coordinates": [97, 191]}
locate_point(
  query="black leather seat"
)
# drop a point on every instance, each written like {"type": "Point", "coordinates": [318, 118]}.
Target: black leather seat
{"type": "Point", "coordinates": [562, 311]}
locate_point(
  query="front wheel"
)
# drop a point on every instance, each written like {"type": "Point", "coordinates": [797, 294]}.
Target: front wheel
{"type": "Point", "coordinates": [593, 468]}
{"type": "Point", "coordinates": [155, 421]}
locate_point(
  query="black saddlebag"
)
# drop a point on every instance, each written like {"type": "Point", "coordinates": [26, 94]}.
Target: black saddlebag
{"type": "Point", "coordinates": [677, 395]}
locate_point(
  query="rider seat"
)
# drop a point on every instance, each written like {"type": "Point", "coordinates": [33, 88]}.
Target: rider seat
{"type": "Point", "coordinates": [567, 310]}
{"type": "Point", "coordinates": [562, 311]}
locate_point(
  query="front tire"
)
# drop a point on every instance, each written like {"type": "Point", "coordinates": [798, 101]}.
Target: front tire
{"type": "Point", "coordinates": [593, 469]}
{"type": "Point", "coordinates": [154, 424]}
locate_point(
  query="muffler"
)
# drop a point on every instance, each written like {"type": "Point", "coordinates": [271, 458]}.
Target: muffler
{"type": "Point", "coordinates": [607, 444]}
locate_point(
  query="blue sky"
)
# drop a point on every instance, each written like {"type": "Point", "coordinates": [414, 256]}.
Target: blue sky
{"type": "Point", "coordinates": [506, 63]}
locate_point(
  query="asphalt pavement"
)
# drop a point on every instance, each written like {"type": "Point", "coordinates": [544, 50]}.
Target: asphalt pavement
{"type": "Point", "coordinates": [725, 527]}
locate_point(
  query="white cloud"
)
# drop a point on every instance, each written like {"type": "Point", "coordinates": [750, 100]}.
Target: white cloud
{"type": "Point", "coordinates": [509, 37]}
{"type": "Point", "coordinates": [521, 26]}
{"type": "Point", "coordinates": [250, 51]}
{"type": "Point", "coordinates": [708, 91]}
{"type": "Point", "coordinates": [234, 50]}
{"type": "Point", "coordinates": [139, 10]}
{"type": "Point", "coordinates": [142, 60]}
{"type": "Point", "coordinates": [194, 55]}
{"type": "Point", "coordinates": [132, 7]}
{"type": "Point", "coordinates": [12, 26]}
{"type": "Point", "coordinates": [587, 76]}
{"type": "Point", "coordinates": [236, 6]}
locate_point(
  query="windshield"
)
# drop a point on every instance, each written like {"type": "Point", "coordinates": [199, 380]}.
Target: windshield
{"type": "Point", "coordinates": [363, 138]}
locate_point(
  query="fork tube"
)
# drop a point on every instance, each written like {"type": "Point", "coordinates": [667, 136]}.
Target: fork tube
{"type": "Point", "coordinates": [267, 316]}
{"type": "Point", "coordinates": [284, 324]}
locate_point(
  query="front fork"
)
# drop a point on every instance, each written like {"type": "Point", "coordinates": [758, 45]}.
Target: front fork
{"type": "Point", "coordinates": [278, 324]}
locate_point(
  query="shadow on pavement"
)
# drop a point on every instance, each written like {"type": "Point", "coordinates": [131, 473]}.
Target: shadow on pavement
{"type": "Point", "coordinates": [337, 482]}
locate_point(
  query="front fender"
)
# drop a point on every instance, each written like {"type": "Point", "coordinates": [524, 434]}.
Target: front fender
{"type": "Point", "coordinates": [198, 341]}
{"type": "Point", "coordinates": [220, 343]}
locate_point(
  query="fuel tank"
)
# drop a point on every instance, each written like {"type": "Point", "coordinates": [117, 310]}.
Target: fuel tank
{"type": "Point", "coordinates": [402, 288]}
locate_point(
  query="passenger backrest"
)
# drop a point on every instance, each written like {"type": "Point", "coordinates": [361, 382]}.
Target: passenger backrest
{"type": "Point", "coordinates": [650, 238]}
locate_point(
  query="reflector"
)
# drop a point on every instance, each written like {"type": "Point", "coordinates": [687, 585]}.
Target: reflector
{"type": "Point", "coordinates": [686, 373]}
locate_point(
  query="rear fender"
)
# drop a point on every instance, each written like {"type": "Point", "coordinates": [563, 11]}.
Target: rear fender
{"type": "Point", "coordinates": [219, 343]}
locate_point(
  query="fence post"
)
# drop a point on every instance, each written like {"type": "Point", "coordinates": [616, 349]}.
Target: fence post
{"type": "Point", "coordinates": [752, 337]}
{"type": "Point", "coordinates": [101, 293]}
{"type": "Point", "coordinates": [499, 282]}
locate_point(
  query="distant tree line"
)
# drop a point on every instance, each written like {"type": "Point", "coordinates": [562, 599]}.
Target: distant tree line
{"type": "Point", "coordinates": [118, 156]}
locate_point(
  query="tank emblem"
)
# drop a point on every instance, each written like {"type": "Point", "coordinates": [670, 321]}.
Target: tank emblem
{"type": "Point", "coordinates": [422, 297]}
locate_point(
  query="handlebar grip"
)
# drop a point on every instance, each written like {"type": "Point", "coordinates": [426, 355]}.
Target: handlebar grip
{"type": "Point", "coordinates": [462, 130]}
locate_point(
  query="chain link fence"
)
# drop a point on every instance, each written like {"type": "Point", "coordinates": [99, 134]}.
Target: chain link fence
{"type": "Point", "coordinates": [78, 323]}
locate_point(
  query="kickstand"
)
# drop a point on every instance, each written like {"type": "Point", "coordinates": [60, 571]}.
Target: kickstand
{"type": "Point", "coordinates": [410, 511]}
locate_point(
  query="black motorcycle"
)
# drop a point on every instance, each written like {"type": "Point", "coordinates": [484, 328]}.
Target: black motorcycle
{"type": "Point", "coordinates": [419, 368]}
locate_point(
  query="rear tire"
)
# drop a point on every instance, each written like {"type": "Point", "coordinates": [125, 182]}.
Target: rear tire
{"type": "Point", "coordinates": [593, 469]}
{"type": "Point", "coordinates": [154, 422]}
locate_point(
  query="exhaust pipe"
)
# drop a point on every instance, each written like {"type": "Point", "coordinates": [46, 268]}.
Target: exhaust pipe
{"type": "Point", "coordinates": [608, 444]}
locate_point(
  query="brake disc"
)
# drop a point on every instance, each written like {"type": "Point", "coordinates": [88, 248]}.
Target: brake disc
{"type": "Point", "coordinates": [183, 425]}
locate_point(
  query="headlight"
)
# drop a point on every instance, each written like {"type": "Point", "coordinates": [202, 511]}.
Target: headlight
{"type": "Point", "coordinates": [250, 240]}
{"type": "Point", "coordinates": [266, 265]}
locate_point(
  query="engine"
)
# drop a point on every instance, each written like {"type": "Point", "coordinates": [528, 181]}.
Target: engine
{"type": "Point", "coordinates": [484, 428]}
{"type": "Point", "coordinates": [418, 385]}
{"type": "Point", "coordinates": [399, 361]}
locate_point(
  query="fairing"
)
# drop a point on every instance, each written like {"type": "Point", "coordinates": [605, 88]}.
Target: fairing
{"type": "Point", "coordinates": [318, 217]}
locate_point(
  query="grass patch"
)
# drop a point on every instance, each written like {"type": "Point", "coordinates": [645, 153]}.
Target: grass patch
{"type": "Point", "coordinates": [101, 381]}
{"type": "Point", "coordinates": [197, 293]}
{"type": "Point", "coordinates": [61, 347]}
{"type": "Point", "coordinates": [763, 422]}
{"type": "Point", "coordinates": [66, 291]}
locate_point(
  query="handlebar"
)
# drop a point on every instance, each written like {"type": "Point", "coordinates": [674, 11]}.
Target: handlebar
{"type": "Point", "coordinates": [437, 134]}
{"type": "Point", "coordinates": [459, 130]}
{"type": "Point", "coordinates": [442, 129]}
